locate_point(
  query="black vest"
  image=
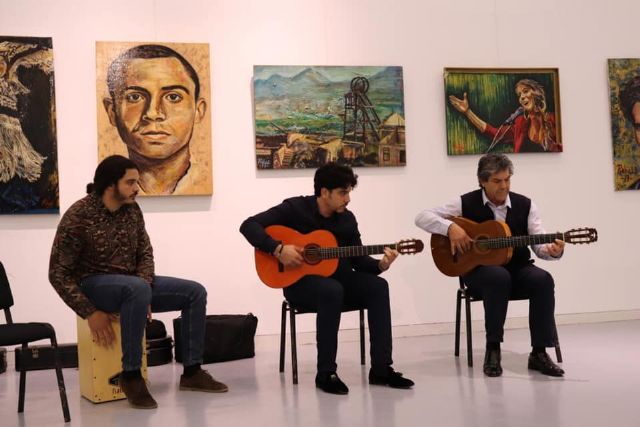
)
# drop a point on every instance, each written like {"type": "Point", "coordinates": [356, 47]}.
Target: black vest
{"type": "Point", "coordinates": [517, 218]}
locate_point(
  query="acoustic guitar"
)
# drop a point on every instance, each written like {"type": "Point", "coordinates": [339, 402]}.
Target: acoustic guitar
{"type": "Point", "coordinates": [493, 245]}
{"type": "Point", "coordinates": [320, 254]}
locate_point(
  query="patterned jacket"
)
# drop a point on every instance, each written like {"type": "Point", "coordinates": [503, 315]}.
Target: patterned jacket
{"type": "Point", "coordinates": [93, 240]}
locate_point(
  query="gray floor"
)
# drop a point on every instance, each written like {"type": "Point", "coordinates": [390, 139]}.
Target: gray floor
{"type": "Point", "coordinates": [601, 388]}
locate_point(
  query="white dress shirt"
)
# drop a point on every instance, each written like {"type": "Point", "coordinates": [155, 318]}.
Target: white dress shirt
{"type": "Point", "coordinates": [436, 220]}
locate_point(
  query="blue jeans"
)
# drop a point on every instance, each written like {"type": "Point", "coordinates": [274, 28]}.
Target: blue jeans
{"type": "Point", "coordinates": [131, 297]}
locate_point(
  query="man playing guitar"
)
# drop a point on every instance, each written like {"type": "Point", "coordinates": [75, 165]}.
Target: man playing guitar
{"type": "Point", "coordinates": [519, 277]}
{"type": "Point", "coordinates": [355, 282]}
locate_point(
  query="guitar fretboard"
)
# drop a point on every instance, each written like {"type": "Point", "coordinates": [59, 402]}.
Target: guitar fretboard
{"type": "Point", "coordinates": [351, 251]}
{"type": "Point", "coordinates": [519, 241]}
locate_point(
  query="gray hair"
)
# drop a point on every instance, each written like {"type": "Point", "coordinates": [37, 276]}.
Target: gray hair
{"type": "Point", "coordinates": [491, 163]}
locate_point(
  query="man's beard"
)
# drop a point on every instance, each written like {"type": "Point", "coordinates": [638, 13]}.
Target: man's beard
{"type": "Point", "coordinates": [121, 198]}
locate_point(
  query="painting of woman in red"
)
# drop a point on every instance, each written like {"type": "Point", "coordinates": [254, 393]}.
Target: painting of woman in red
{"type": "Point", "coordinates": [531, 128]}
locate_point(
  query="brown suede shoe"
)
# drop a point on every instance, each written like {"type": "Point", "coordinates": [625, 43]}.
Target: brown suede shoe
{"type": "Point", "coordinates": [202, 381]}
{"type": "Point", "coordinates": [137, 393]}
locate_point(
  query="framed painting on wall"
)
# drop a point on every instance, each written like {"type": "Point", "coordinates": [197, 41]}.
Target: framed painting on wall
{"type": "Point", "coordinates": [507, 110]}
{"type": "Point", "coordinates": [28, 144]}
{"type": "Point", "coordinates": [624, 95]}
{"type": "Point", "coordinates": [153, 101]}
{"type": "Point", "coordinates": [306, 116]}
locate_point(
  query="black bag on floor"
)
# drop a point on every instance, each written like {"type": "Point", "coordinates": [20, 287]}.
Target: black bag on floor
{"type": "Point", "coordinates": [227, 337]}
{"type": "Point", "coordinates": [155, 329]}
{"type": "Point", "coordinates": [159, 344]}
{"type": "Point", "coordinates": [41, 357]}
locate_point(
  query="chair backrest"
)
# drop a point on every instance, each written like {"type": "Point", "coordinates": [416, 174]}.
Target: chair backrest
{"type": "Point", "coordinates": [6, 298]}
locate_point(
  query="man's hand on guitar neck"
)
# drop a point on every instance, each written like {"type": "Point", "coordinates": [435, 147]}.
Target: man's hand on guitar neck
{"type": "Point", "coordinates": [290, 256]}
{"type": "Point", "coordinates": [390, 255]}
{"type": "Point", "coordinates": [556, 248]}
{"type": "Point", "coordinates": [460, 240]}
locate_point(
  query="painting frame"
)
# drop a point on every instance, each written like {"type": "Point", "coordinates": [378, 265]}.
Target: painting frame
{"type": "Point", "coordinates": [308, 115]}
{"type": "Point", "coordinates": [624, 95]}
{"type": "Point", "coordinates": [29, 177]}
{"type": "Point", "coordinates": [188, 128]}
{"type": "Point", "coordinates": [510, 125]}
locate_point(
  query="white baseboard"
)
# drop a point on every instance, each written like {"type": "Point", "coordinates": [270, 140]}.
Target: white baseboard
{"type": "Point", "coordinates": [346, 335]}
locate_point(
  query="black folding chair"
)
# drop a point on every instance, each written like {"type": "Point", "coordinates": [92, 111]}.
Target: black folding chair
{"type": "Point", "coordinates": [286, 307]}
{"type": "Point", "coordinates": [463, 294]}
{"type": "Point", "coordinates": [22, 334]}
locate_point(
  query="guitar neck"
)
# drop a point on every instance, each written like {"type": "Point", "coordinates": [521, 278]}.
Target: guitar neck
{"type": "Point", "coordinates": [353, 251]}
{"type": "Point", "coordinates": [520, 241]}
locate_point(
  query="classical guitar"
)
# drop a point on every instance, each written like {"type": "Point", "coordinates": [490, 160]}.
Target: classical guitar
{"type": "Point", "coordinates": [320, 253]}
{"type": "Point", "coordinates": [493, 245]}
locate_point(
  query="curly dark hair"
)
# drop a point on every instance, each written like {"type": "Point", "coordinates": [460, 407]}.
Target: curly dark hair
{"type": "Point", "coordinates": [332, 176]}
{"type": "Point", "coordinates": [109, 172]}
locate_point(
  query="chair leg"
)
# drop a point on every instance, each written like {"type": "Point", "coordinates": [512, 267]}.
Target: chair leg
{"type": "Point", "coordinates": [362, 356]}
{"type": "Point", "coordinates": [294, 354]}
{"type": "Point", "coordinates": [457, 336]}
{"type": "Point", "coordinates": [23, 381]}
{"type": "Point", "coordinates": [60, 378]}
{"type": "Point", "coordinates": [558, 352]}
{"type": "Point", "coordinates": [283, 333]}
{"type": "Point", "coordinates": [467, 306]}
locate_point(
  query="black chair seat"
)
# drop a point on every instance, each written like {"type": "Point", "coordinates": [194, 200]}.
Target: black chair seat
{"type": "Point", "coordinates": [18, 333]}
{"type": "Point", "coordinates": [345, 309]}
{"type": "Point", "coordinates": [468, 297]}
{"type": "Point", "coordinates": [286, 306]}
{"type": "Point", "coordinates": [23, 333]}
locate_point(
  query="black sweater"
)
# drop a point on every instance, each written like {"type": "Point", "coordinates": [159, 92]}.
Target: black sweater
{"type": "Point", "coordinates": [302, 214]}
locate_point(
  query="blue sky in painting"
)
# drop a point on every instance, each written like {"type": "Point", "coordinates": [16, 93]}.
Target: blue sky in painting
{"type": "Point", "coordinates": [333, 73]}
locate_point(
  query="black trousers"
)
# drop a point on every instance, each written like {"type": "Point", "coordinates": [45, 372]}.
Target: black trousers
{"type": "Point", "coordinates": [496, 284]}
{"type": "Point", "coordinates": [328, 295]}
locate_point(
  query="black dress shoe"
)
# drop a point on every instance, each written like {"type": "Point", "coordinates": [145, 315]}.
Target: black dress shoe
{"type": "Point", "coordinates": [391, 378]}
{"type": "Point", "coordinates": [492, 367]}
{"type": "Point", "coordinates": [331, 383]}
{"type": "Point", "coordinates": [543, 363]}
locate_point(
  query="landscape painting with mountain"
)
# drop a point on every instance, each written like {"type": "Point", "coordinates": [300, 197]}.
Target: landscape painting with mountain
{"type": "Point", "coordinates": [306, 116]}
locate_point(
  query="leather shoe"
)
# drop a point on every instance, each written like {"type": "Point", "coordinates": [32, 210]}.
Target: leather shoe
{"type": "Point", "coordinates": [543, 363]}
{"type": "Point", "coordinates": [392, 378]}
{"type": "Point", "coordinates": [201, 380]}
{"type": "Point", "coordinates": [331, 383]}
{"type": "Point", "coordinates": [137, 393]}
{"type": "Point", "coordinates": [492, 367]}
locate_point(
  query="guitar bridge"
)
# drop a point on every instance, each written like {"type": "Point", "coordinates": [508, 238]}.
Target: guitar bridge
{"type": "Point", "coordinates": [280, 267]}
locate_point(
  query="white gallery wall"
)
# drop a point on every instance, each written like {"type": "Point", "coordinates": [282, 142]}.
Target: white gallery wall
{"type": "Point", "coordinates": [198, 238]}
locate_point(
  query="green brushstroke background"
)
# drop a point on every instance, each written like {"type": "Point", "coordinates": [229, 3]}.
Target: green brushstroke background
{"type": "Point", "coordinates": [492, 97]}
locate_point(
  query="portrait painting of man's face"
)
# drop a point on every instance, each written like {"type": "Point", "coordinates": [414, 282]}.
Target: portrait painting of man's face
{"type": "Point", "coordinates": [624, 95]}
{"type": "Point", "coordinates": [153, 107]}
{"type": "Point", "coordinates": [28, 145]}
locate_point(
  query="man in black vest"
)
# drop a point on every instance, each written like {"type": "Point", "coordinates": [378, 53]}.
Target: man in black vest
{"type": "Point", "coordinates": [495, 284]}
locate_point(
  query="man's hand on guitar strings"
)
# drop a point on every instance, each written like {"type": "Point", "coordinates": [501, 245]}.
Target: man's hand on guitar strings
{"type": "Point", "coordinates": [460, 240]}
{"type": "Point", "coordinates": [291, 256]}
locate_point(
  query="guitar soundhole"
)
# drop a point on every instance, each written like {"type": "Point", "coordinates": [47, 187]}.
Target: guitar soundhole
{"type": "Point", "coordinates": [311, 254]}
{"type": "Point", "coordinates": [480, 244]}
